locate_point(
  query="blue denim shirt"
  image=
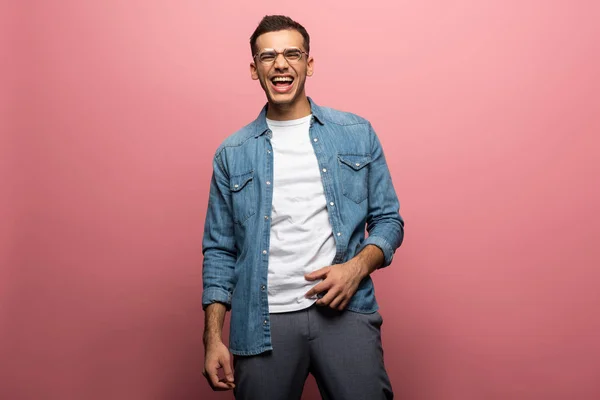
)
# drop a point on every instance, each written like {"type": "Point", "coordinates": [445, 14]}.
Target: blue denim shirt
{"type": "Point", "coordinates": [359, 192]}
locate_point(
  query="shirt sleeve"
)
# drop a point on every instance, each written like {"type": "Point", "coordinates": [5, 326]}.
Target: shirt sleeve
{"type": "Point", "coordinates": [384, 223]}
{"type": "Point", "coordinates": [218, 243]}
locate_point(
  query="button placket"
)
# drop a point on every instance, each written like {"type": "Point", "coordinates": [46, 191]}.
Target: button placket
{"type": "Point", "coordinates": [328, 195]}
{"type": "Point", "coordinates": [268, 191]}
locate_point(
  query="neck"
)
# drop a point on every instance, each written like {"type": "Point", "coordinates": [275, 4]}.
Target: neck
{"type": "Point", "coordinates": [285, 112]}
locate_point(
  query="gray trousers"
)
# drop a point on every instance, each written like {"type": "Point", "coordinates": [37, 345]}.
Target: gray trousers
{"type": "Point", "coordinates": [342, 350]}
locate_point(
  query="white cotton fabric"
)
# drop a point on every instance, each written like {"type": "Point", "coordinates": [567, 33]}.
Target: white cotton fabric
{"type": "Point", "coordinates": [301, 235]}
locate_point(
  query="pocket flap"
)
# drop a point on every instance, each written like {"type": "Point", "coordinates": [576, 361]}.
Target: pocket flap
{"type": "Point", "coordinates": [354, 161]}
{"type": "Point", "coordinates": [238, 182]}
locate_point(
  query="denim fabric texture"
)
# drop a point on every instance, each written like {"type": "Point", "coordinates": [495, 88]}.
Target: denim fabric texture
{"type": "Point", "coordinates": [359, 192]}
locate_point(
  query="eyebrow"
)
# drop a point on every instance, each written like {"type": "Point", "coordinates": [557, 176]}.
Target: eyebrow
{"type": "Point", "coordinates": [286, 48]}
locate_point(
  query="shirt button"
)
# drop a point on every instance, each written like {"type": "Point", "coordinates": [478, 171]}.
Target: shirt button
{"type": "Point", "coordinates": [266, 217]}
{"type": "Point", "coordinates": [268, 182]}
{"type": "Point", "coordinates": [265, 322]}
{"type": "Point", "coordinates": [268, 151]}
{"type": "Point", "coordinates": [339, 233]}
{"type": "Point", "coordinates": [332, 203]}
{"type": "Point", "coordinates": [264, 252]}
{"type": "Point", "coordinates": [324, 169]}
{"type": "Point", "coordinates": [262, 287]}
{"type": "Point", "coordinates": [236, 185]}
{"type": "Point", "coordinates": [358, 164]}
{"type": "Point", "coordinates": [315, 139]}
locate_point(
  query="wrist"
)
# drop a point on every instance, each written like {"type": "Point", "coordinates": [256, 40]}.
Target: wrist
{"type": "Point", "coordinates": [369, 259]}
{"type": "Point", "coordinates": [361, 268]}
{"type": "Point", "coordinates": [211, 338]}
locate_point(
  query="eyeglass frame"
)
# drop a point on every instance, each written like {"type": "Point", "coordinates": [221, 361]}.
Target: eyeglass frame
{"type": "Point", "coordinates": [277, 53]}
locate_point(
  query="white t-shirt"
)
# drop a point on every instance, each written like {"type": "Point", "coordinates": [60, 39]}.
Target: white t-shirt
{"type": "Point", "coordinates": [301, 234]}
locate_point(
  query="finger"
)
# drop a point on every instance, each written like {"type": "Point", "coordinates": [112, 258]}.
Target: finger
{"type": "Point", "coordinates": [227, 369]}
{"type": "Point", "coordinates": [224, 385]}
{"type": "Point", "coordinates": [337, 301]}
{"type": "Point", "coordinates": [218, 384]}
{"type": "Point", "coordinates": [318, 274]}
{"type": "Point", "coordinates": [342, 306]}
{"type": "Point", "coordinates": [321, 287]}
{"type": "Point", "coordinates": [211, 372]}
{"type": "Point", "coordinates": [327, 298]}
{"type": "Point", "coordinates": [230, 385]}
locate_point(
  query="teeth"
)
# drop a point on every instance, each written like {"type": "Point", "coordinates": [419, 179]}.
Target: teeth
{"type": "Point", "coordinates": [282, 79]}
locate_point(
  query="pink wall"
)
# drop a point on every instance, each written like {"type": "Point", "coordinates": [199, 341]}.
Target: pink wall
{"type": "Point", "coordinates": [489, 114]}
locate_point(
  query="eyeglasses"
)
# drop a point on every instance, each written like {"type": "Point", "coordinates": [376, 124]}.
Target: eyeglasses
{"type": "Point", "coordinates": [292, 55]}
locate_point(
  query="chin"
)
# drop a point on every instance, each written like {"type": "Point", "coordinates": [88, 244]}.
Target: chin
{"type": "Point", "coordinates": [282, 100]}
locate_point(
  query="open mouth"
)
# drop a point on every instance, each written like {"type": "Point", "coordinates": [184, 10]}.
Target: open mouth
{"type": "Point", "coordinates": [282, 84]}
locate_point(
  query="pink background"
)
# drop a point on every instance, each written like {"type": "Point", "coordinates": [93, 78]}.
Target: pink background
{"type": "Point", "coordinates": [489, 116]}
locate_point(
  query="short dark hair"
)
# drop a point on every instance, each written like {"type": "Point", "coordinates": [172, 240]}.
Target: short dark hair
{"type": "Point", "coordinates": [274, 23]}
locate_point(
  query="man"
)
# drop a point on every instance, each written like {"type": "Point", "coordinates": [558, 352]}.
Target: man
{"type": "Point", "coordinates": [284, 242]}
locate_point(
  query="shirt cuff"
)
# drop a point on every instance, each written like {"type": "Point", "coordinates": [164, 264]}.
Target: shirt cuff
{"type": "Point", "coordinates": [216, 295]}
{"type": "Point", "coordinates": [384, 246]}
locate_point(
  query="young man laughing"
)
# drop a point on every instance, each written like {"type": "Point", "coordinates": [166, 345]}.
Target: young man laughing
{"type": "Point", "coordinates": [284, 241]}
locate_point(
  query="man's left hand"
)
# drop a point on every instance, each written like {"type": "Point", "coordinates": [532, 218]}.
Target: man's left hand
{"type": "Point", "coordinates": [340, 281]}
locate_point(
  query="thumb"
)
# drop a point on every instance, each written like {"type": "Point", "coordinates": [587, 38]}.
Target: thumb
{"type": "Point", "coordinates": [318, 274]}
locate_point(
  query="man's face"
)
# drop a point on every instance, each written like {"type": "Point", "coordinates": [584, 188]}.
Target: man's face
{"type": "Point", "coordinates": [282, 80]}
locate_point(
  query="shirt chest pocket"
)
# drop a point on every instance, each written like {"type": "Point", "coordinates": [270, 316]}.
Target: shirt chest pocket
{"type": "Point", "coordinates": [354, 176]}
{"type": "Point", "coordinates": [243, 196]}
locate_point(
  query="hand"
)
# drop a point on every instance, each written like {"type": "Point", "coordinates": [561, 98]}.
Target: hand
{"type": "Point", "coordinates": [340, 281]}
{"type": "Point", "coordinates": [217, 357]}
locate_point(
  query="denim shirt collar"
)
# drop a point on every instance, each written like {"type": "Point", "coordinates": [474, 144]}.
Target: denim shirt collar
{"type": "Point", "coordinates": [260, 123]}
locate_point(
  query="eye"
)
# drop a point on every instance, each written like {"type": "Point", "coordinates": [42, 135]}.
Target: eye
{"type": "Point", "coordinates": [267, 56]}
{"type": "Point", "coordinates": [293, 54]}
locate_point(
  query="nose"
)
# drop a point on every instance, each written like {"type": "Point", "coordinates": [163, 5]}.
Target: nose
{"type": "Point", "coordinates": [280, 62]}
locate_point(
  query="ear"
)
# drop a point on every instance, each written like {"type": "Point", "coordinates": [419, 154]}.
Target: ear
{"type": "Point", "coordinates": [253, 71]}
{"type": "Point", "coordinates": [310, 66]}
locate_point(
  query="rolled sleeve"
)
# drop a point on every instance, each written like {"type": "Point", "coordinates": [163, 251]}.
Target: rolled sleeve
{"type": "Point", "coordinates": [383, 245]}
{"type": "Point", "coordinates": [218, 244]}
{"type": "Point", "coordinates": [384, 223]}
{"type": "Point", "coordinates": [216, 295]}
